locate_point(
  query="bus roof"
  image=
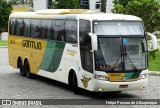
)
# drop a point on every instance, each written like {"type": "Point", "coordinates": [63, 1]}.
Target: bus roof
{"type": "Point", "coordinates": [109, 16]}
{"type": "Point", "coordinates": [64, 11]}
{"type": "Point", "coordinates": [73, 14]}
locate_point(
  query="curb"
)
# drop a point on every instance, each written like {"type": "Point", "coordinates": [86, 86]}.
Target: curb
{"type": "Point", "coordinates": [3, 46]}
{"type": "Point", "coordinates": [153, 73]}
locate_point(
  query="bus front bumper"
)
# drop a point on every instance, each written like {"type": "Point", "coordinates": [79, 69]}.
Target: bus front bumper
{"type": "Point", "coordinates": [104, 86]}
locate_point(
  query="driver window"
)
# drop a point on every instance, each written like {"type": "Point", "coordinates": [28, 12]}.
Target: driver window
{"type": "Point", "coordinates": [85, 45]}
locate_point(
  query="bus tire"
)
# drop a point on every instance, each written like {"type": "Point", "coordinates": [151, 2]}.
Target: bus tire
{"type": "Point", "coordinates": [75, 84]}
{"type": "Point", "coordinates": [27, 70]}
{"type": "Point", "coordinates": [21, 69]}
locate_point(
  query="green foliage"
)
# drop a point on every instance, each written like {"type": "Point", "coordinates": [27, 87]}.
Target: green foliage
{"type": "Point", "coordinates": [118, 8]}
{"type": "Point", "coordinates": [5, 10]}
{"type": "Point", "coordinates": [103, 6]}
{"type": "Point", "coordinates": [3, 43]}
{"type": "Point", "coordinates": [66, 4]}
{"type": "Point", "coordinates": [154, 64]}
{"type": "Point", "coordinates": [16, 2]}
{"type": "Point", "coordinates": [148, 10]}
{"type": "Point", "coordinates": [122, 2]}
{"type": "Point", "coordinates": [156, 21]}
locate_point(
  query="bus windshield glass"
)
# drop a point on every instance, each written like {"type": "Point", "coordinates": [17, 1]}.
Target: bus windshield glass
{"type": "Point", "coordinates": [121, 46]}
{"type": "Point", "coordinates": [118, 28]}
{"type": "Point", "coordinates": [121, 54]}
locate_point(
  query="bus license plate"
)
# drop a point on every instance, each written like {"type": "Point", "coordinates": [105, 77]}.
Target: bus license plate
{"type": "Point", "coordinates": [123, 86]}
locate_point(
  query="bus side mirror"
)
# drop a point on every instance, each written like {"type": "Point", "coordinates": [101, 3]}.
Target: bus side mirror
{"type": "Point", "coordinates": [94, 42]}
{"type": "Point", "coordinates": [153, 40]}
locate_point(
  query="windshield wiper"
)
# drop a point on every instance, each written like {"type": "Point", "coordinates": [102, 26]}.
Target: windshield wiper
{"type": "Point", "coordinates": [120, 57]}
{"type": "Point", "coordinates": [125, 53]}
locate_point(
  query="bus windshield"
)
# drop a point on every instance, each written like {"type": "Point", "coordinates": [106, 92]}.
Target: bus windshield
{"type": "Point", "coordinates": [125, 52]}
{"type": "Point", "coordinates": [118, 28]}
{"type": "Point", "coordinates": [121, 54]}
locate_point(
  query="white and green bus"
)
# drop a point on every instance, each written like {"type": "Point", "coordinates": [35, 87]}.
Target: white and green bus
{"type": "Point", "coordinates": [94, 51]}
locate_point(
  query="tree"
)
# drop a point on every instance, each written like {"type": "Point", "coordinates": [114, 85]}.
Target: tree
{"type": "Point", "coordinates": [103, 6]}
{"type": "Point", "coordinates": [148, 10]}
{"type": "Point", "coordinates": [5, 10]}
{"type": "Point", "coordinates": [66, 4]}
{"type": "Point", "coordinates": [122, 2]}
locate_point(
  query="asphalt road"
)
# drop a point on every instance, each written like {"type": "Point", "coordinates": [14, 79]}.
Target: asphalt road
{"type": "Point", "coordinates": [14, 86]}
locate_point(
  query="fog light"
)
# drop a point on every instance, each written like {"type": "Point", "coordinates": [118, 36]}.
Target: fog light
{"type": "Point", "coordinates": [142, 87]}
{"type": "Point", "coordinates": [100, 89]}
{"type": "Point", "coordinates": [143, 76]}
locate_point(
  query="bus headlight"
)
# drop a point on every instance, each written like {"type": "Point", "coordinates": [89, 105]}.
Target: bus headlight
{"type": "Point", "coordinates": [101, 77]}
{"type": "Point", "coordinates": [143, 76]}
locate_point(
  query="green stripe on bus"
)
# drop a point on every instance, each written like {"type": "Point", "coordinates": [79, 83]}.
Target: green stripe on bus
{"type": "Point", "coordinates": [135, 74]}
{"type": "Point", "coordinates": [132, 75]}
{"type": "Point", "coordinates": [52, 56]}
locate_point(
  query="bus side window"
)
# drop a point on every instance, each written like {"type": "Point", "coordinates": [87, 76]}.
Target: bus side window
{"type": "Point", "coordinates": [59, 33]}
{"type": "Point", "coordinates": [85, 45]}
{"type": "Point", "coordinates": [71, 31]}
{"type": "Point", "coordinates": [20, 27]}
{"type": "Point", "coordinates": [53, 29]}
{"type": "Point", "coordinates": [84, 30]}
{"type": "Point", "coordinates": [46, 27]}
{"type": "Point", "coordinates": [35, 28]}
{"type": "Point", "coordinates": [27, 27]}
{"type": "Point", "coordinates": [10, 26]}
{"type": "Point", "coordinates": [13, 26]}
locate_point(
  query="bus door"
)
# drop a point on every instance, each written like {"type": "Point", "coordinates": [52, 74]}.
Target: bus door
{"type": "Point", "coordinates": [85, 54]}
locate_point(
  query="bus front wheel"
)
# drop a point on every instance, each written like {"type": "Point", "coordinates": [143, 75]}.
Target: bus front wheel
{"type": "Point", "coordinates": [75, 84]}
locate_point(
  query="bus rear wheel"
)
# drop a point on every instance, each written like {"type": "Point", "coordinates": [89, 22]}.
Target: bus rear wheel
{"type": "Point", "coordinates": [21, 69]}
{"type": "Point", "coordinates": [27, 70]}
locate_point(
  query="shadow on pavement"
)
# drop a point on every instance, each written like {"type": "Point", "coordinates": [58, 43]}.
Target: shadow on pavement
{"type": "Point", "coordinates": [85, 93]}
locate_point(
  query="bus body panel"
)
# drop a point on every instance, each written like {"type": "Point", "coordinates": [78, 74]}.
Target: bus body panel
{"type": "Point", "coordinates": [103, 86]}
{"type": "Point", "coordinates": [133, 84]}
{"type": "Point", "coordinates": [55, 59]}
{"type": "Point", "coordinates": [26, 48]}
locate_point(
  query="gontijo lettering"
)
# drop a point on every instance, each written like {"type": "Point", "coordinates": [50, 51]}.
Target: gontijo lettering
{"type": "Point", "coordinates": [32, 44]}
